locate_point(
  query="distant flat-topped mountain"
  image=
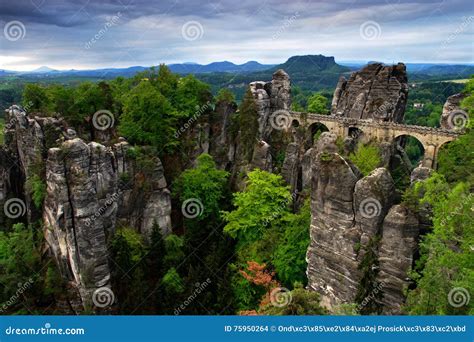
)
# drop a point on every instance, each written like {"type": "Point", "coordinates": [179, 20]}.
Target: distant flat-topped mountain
{"type": "Point", "coordinates": [311, 64]}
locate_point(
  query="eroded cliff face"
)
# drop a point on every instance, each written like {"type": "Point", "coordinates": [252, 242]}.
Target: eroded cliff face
{"type": "Point", "coordinates": [348, 212]}
{"type": "Point", "coordinates": [94, 187]}
{"type": "Point", "coordinates": [80, 180]}
{"type": "Point", "coordinates": [353, 215]}
{"type": "Point", "coordinates": [331, 256]}
{"type": "Point", "coordinates": [90, 190]}
{"type": "Point", "coordinates": [454, 116]}
{"type": "Point", "coordinates": [271, 97]}
{"type": "Point", "coordinates": [397, 249]}
{"type": "Point", "coordinates": [375, 92]}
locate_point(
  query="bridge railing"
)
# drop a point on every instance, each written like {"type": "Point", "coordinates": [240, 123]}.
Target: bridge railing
{"type": "Point", "coordinates": [371, 123]}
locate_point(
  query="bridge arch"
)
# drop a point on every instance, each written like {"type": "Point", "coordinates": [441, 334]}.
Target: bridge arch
{"type": "Point", "coordinates": [413, 146]}
{"type": "Point", "coordinates": [295, 123]}
{"type": "Point", "coordinates": [314, 130]}
{"type": "Point", "coordinates": [355, 132]}
{"type": "Point", "coordinates": [431, 139]}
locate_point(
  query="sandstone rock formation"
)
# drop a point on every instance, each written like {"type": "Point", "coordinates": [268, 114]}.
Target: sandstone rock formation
{"type": "Point", "coordinates": [453, 115]}
{"type": "Point", "coordinates": [349, 211]}
{"type": "Point", "coordinates": [222, 143]}
{"type": "Point", "coordinates": [270, 97]}
{"type": "Point", "coordinates": [332, 259]}
{"type": "Point", "coordinates": [376, 92]}
{"type": "Point", "coordinates": [396, 256]}
{"type": "Point", "coordinates": [79, 211]}
{"type": "Point", "coordinates": [373, 197]}
{"type": "Point", "coordinates": [90, 189]}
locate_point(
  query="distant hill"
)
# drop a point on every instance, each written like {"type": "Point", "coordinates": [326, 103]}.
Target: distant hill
{"type": "Point", "coordinates": [43, 69]}
{"type": "Point", "coordinates": [309, 72]}
{"type": "Point", "coordinates": [314, 64]}
{"type": "Point", "coordinates": [218, 67]}
{"type": "Point", "coordinates": [184, 68]}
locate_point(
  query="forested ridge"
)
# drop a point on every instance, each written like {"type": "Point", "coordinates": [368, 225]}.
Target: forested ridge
{"type": "Point", "coordinates": [246, 248]}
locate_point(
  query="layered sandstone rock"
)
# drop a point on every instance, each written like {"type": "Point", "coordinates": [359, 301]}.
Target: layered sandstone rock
{"type": "Point", "coordinates": [349, 211]}
{"type": "Point", "coordinates": [373, 197]}
{"type": "Point", "coordinates": [271, 97]}
{"type": "Point", "coordinates": [332, 259]}
{"type": "Point", "coordinates": [396, 256]}
{"type": "Point", "coordinates": [376, 92]}
{"type": "Point", "coordinates": [453, 115]}
{"type": "Point", "coordinates": [222, 143]}
{"type": "Point", "coordinates": [90, 190]}
{"type": "Point", "coordinates": [78, 211]}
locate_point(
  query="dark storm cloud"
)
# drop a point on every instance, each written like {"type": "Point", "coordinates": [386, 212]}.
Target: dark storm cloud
{"type": "Point", "coordinates": [78, 12]}
{"type": "Point", "coordinates": [83, 33]}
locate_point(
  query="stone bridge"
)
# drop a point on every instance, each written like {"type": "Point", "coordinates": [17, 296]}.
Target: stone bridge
{"type": "Point", "coordinates": [431, 138]}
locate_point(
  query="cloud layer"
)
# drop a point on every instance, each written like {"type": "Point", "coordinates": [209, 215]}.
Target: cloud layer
{"type": "Point", "coordinates": [84, 34]}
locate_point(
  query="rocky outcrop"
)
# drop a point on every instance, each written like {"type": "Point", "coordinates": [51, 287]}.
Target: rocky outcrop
{"type": "Point", "coordinates": [348, 212]}
{"type": "Point", "coordinates": [270, 97]}
{"type": "Point", "coordinates": [88, 195]}
{"type": "Point", "coordinates": [280, 91]}
{"type": "Point", "coordinates": [25, 141]}
{"type": "Point", "coordinates": [291, 165]}
{"type": "Point", "coordinates": [260, 91]}
{"type": "Point", "coordinates": [90, 190]}
{"type": "Point", "coordinates": [79, 209]}
{"type": "Point", "coordinates": [222, 143]}
{"type": "Point", "coordinates": [420, 173]}
{"type": "Point", "coordinates": [332, 259]}
{"type": "Point", "coordinates": [396, 256]}
{"type": "Point", "coordinates": [143, 197]}
{"type": "Point", "coordinates": [376, 92]}
{"type": "Point", "coordinates": [373, 197]}
{"type": "Point", "coordinates": [453, 115]}
{"type": "Point", "coordinates": [262, 159]}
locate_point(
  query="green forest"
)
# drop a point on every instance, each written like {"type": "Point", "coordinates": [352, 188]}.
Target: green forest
{"type": "Point", "coordinates": [244, 244]}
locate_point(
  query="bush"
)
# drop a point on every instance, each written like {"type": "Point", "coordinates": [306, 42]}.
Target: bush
{"type": "Point", "coordinates": [366, 158]}
{"type": "Point", "coordinates": [36, 187]}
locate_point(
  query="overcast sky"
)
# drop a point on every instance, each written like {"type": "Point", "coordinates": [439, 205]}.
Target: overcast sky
{"type": "Point", "coordinates": [84, 34]}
